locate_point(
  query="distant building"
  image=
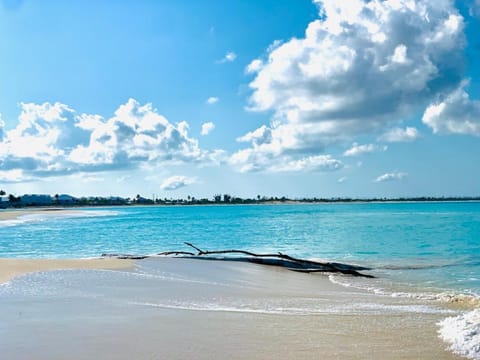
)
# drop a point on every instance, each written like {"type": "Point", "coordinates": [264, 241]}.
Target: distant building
{"type": "Point", "coordinates": [36, 200]}
{"type": "Point", "coordinates": [143, 201]}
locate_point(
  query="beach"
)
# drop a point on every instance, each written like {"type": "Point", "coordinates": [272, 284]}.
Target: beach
{"type": "Point", "coordinates": [59, 299]}
{"type": "Point", "coordinates": [15, 214]}
{"type": "Point", "coordinates": [10, 268]}
{"type": "Point", "coordinates": [193, 309]}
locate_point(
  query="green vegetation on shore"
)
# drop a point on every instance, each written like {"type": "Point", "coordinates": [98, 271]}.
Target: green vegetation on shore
{"type": "Point", "coordinates": [29, 200]}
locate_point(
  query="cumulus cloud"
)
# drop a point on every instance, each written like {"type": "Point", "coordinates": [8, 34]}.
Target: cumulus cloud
{"type": "Point", "coordinates": [396, 175]}
{"type": "Point", "coordinates": [455, 114]}
{"type": "Point", "coordinates": [229, 57]}
{"type": "Point", "coordinates": [357, 149]}
{"type": "Point", "coordinates": [400, 135]}
{"type": "Point", "coordinates": [262, 135]}
{"type": "Point", "coordinates": [212, 100]}
{"type": "Point", "coordinates": [207, 128]}
{"type": "Point", "coordinates": [52, 139]}
{"type": "Point", "coordinates": [360, 67]}
{"type": "Point", "coordinates": [177, 182]}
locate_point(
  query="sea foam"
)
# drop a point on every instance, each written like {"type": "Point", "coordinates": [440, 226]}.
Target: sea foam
{"type": "Point", "coordinates": [462, 333]}
{"type": "Point", "coordinates": [467, 301]}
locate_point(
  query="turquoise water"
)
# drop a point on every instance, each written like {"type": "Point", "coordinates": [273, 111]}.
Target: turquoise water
{"type": "Point", "coordinates": [430, 244]}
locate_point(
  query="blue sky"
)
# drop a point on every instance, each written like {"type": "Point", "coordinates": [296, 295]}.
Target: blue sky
{"type": "Point", "coordinates": [274, 97]}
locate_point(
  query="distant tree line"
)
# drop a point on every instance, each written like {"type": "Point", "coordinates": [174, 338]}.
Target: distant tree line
{"type": "Point", "coordinates": [217, 199]}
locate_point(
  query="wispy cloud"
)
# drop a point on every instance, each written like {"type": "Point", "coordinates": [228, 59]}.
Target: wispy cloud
{"type": "Point", "coordinates": [229, 57]}
{"type": "Point", "coordinates": [392, 176]}
{"type": "Point", "coordinates": [357, 149]}
{"type": "Point", "coordinates": [400, 135]}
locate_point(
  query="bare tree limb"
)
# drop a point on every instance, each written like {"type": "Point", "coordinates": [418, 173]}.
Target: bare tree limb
{"type": "Point", "coordinates": [278, 259]}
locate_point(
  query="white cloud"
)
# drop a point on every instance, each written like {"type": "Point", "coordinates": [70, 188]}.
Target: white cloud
{"type": "Point", "coordinates": [311, 163]}
{"type": "Point", "coordinates": [249, 160]}
{"type": "Point", "coordinates": [259, 136]}
{"type": "Point", "coordinates": [342, 179]}
{"type": "Point", "coordinates": [212, 100]}
{"type": "Point", "coordinates": [456, 114]}
{"type": "Point", "coordinates": [400, 135]}
{"type": "Point", "coordinates": [51, 139]}
{"type": "Point", "coordinates": [361, 67]}
{"type": "Point", "coordinates": [177, 182]}
{"type": "Point", "coordinates": [357, 150]}
{"type": "Point", "coordinates": [254, 66]}
{"type": "Point", "coordinates": [207, 128]}
{"type": "Point", "coordinates": [391, 176]}
{"type": "Point", "coordinates": [12, 176]}
{"type": "Point", "coordinates": [229, 57]}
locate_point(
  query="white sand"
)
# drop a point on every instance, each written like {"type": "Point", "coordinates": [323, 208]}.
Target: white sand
{"type": "Point", "coordinates": [123, 317]}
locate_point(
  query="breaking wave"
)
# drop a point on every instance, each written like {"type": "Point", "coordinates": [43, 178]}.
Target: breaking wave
{"type": "Point", "coordinates": [462, 333]}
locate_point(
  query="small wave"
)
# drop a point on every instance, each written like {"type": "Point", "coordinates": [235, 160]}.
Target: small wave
{"type": "Point", "coordinates": [284, 309]}
{"type": "Point", "coordinates": [462, 333]}
{"type": "Point", "coordinates": [464, 300]}
{"type": "Point", "coordinates": [415, 267]}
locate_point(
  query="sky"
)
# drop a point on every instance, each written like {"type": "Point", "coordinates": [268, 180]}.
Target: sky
{"type": "Point", "coordinates": [273, 97]}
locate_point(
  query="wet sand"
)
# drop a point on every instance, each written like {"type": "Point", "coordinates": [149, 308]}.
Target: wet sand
{"type": "Point", "coordinates": [190, 309]}
{"type": "Point", "coordinates": [15, 214]}
{"type": "Point", "coordinates": [10, 268]}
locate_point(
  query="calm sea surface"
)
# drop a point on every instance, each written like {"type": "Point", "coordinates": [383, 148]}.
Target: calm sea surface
{"type": "Point", "coordinates": [433, 245]}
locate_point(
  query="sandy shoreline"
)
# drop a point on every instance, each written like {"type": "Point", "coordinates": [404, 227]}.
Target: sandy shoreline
{"type": "Point", "coordinates": [15, 214]}
{"type": "Point", "coordinates": [182, 309]}
{"type": "Point", "coordinates": [10, 268]}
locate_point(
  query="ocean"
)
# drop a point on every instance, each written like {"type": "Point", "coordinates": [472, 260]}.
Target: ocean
{"type": "Point", "coordinates": [427, 251]}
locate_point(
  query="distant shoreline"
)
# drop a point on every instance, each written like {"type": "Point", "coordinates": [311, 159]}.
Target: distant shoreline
{"type": "Point", "coordinates": [105, 202]}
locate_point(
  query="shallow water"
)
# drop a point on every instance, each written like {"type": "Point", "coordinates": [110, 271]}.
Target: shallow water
{"type": "Point", "coordinates": [431, 244]}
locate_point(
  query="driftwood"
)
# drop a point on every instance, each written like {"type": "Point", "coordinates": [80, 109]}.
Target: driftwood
{"type": "Point", "coordinates": [278, 259]}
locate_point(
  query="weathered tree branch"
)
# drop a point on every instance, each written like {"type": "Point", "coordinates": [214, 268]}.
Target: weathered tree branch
{"type": "Point", "coordinates": [277, 259]}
